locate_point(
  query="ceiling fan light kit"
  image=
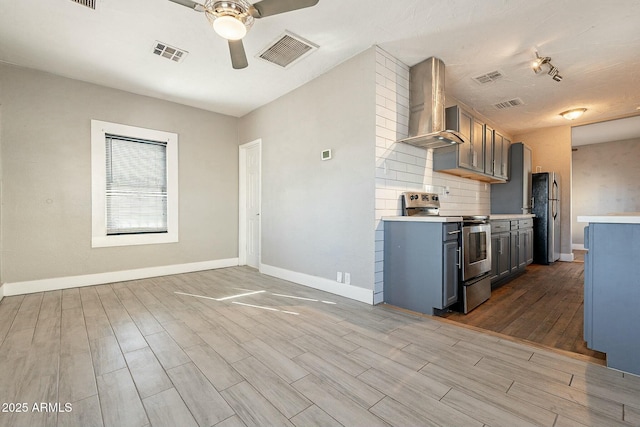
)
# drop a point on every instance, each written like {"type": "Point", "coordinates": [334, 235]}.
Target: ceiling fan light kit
{"type": "Point", "coordinates": [229, 28]}
{"type": "Point", "coordinates": [232, 19]}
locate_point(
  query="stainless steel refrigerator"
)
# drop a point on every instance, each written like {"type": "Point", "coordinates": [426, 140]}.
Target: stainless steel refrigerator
{"type": "Point", "coordinates": [545, 190]}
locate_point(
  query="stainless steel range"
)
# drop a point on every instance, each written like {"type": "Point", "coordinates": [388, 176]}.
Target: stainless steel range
{"type": "Point", "coordinates": [474, 248]}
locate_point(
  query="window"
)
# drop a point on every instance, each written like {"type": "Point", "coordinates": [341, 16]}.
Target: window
{"type": "Point", "coordinates": [134, 185]}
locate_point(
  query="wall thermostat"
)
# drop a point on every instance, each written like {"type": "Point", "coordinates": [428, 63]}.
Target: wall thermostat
{"type": "Point", "coordinates": [326, 154]}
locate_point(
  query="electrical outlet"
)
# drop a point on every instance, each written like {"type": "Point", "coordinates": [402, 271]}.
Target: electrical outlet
{"type": "Point", "coordinates": [347, 278]}
{"type": "Point", "coordinates": [339, 277]}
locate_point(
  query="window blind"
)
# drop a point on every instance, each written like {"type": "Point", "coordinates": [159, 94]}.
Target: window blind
{"type": "Point", "coordinates": [136, 193]}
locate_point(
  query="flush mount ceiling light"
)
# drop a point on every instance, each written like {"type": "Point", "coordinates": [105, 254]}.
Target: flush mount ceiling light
{"type": "Point", "coordinates": [536, 66]}
{"type": "Point", "coordinates": [573, 113]}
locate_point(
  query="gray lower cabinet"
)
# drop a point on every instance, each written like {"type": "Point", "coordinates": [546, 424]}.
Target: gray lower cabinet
{"type": "Point", "coordinates": [511, 249]}
{"type": "Point", "coordinates": [612, 293]}
{"type": "Point", "coordinates": [421, 264]}
{"type": "Point", "coordinates": [500, 256]}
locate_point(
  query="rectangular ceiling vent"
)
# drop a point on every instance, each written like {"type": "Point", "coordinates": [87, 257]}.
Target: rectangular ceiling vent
{"type": "Point", "coordinates": [91, 4]}
{"type": "Point", "coordinates": [169, 52]}
{"type": "Point", "coordinates": [508, 104]}
{"type": "Point", "coordinates": [287, 49]}
{"type": "Point", "coordinates": [489, 77]}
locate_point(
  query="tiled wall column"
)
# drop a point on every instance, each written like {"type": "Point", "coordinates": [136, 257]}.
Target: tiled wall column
{"type": "Point", "coordinates": [401, 167]}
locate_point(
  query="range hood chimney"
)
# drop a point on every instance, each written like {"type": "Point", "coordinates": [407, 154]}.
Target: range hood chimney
{"type": "Point", "coordinates": [426, 107]}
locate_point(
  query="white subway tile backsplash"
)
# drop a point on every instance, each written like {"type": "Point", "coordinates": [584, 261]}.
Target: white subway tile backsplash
{"type": "Point", "coordinates": [385, 133]}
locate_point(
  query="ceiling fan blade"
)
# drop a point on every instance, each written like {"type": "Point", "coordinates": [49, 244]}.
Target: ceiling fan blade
{"type": "Point", "coordinates": [238, 57]}
{"type": "Point", "coordinates": [273, 7]}
{"type": "Point", "coordinates": [190, 4]}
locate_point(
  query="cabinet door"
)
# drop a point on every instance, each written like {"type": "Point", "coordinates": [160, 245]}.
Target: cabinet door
{"type": "Point", "coordinates": [450, 273]}
{"type": "Point", "coordinates": [529, 246]}
{"type": "Point", "coordinates": [465, 122]}
{"type": "Point", "coordinates": [501, 155]}
{"type": "Point", "coordinates": [513, 255]}
{"type": "Point", "coordinates": [506, 145]}
{"type": "Point", "coordinates": [477, 146]}
{"type": "Point", "coordinates": [497, 154]}
{"type": "Point", "coordinates": [488, 150]}
{"type": "Point", "coordinates": [522, 248]}
{"type": "Point", "coordinates": [495, 256]}
{"type": "Point", "coordinates": [504, 255]}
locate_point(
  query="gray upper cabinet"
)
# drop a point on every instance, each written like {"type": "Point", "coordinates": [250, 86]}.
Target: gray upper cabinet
{"type": "Point", "coordinates": [489, 166]}
{"type": "Point", "coordinates": [501, 156]}
{"type": "Point", "coordinates": [477, 146]}
{"type": "Point", "coordinates": [514, 197]}
{"type": "Point", "coordinates": [460, 120]}
{"type": "Point", "coordinates": [474, 158]}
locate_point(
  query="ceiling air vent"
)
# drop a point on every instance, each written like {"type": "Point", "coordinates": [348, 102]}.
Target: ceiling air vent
{"type": "Point", "coordinates": [287, 50]}
{"type": "Point", "coordinates": [88, 3]}
{"type": "Point", "coordinates": [489, 77]}
{"type": "Point", "coordinates": [508, 104]}
{"type": "Point", "coordinates": [169, 52]}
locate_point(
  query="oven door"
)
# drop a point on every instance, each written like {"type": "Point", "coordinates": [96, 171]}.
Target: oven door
{"type": "Point", "coordinates": [476, 250]}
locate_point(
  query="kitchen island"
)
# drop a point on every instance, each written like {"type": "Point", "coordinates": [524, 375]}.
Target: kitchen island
{"type": "Point", "coordinates": [612, 288]}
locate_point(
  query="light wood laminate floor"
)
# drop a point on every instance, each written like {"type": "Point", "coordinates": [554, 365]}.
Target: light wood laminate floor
{"type": "Point", "coordinates": [232, 347]}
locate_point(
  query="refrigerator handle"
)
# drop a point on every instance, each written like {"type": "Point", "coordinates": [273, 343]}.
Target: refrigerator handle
{"type": "Point", "coordinates": [533, 202]}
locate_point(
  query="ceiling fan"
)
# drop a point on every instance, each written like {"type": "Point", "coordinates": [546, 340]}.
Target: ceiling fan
{"type": "Point", "coordinates": [231, 19]}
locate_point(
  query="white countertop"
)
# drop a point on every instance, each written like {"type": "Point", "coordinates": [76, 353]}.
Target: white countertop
{"type": "Point", "coordinates": [416, 218]}
{"type": "Point", "coordinates": [511, 216]}
{"type": "Point", "coordinates": [612, 218]}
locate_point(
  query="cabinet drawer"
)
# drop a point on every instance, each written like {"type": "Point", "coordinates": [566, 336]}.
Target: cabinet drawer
{"type": "Point", "coordinates": [498, 226]}
{"type": "Point", "coordinates": [526, 223]}
{"type": "Point", "coordinates": [450, 231]}
{"type": "Point", "coordinates": [514, 224]}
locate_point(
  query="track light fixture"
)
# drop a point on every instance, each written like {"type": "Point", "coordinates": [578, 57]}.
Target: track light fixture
{"type": "Point", "coordinates": [542, 60]}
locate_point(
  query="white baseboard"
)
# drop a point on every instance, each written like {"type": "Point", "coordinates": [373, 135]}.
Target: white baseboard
{"type": "Point", "coordinates": [1, 292]}
{"type": "Point", "coordinates": [43, 285]}
{"type": "Point", "coordinates": [327, 285]}
{"type": "Point", "coordinates": [578, 246]}
{"type": "Point", "coordinates": [566, 257]}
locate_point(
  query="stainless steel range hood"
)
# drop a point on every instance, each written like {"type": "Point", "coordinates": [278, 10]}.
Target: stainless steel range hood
{"type": "Point", "coordinates": [426, 107]}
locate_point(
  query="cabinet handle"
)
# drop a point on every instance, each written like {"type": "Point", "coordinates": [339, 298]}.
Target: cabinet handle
{"type": "Point", "coordinates": [459, 265]}
{"type": "Point", "coordinates": [500, 249]}
{"type": "Point", "coordinates": [454, 232]}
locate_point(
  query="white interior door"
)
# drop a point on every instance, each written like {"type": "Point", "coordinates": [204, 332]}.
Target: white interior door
{"type": "Point", "coordinates": [250, 185]}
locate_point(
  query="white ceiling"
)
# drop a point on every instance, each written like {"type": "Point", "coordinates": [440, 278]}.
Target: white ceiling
{"type": "Point", "coordinates": [595, 44]}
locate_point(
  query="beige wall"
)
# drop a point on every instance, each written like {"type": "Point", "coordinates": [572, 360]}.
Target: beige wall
{"type": "Point", "coordinates": [318, 216]}
{"type": "Point", "coordinates": [606, 178]}
{"type": "Point", "coordinates": [551, 149]}
{"type": "Point", "coordinates": [46, 178]}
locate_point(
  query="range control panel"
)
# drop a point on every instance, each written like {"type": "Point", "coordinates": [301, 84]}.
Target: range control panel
{"type": "Point", "coordinates": [420, 200]}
